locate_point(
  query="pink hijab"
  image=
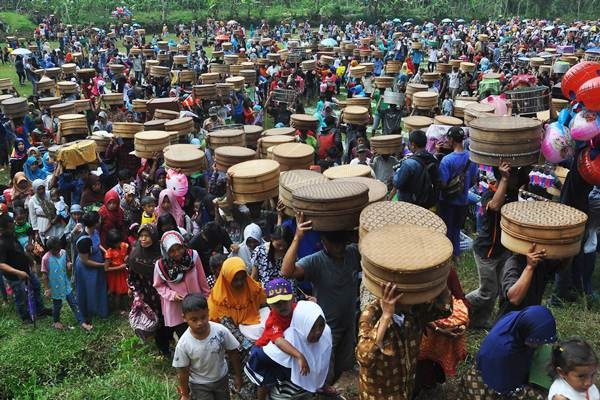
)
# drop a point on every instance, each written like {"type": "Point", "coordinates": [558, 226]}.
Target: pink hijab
{"type": "Point", "coordinates": [176, 210]}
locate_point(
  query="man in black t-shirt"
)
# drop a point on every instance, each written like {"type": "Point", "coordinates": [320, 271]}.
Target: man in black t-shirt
{"type": "Point", "coordinates": [15, 265]}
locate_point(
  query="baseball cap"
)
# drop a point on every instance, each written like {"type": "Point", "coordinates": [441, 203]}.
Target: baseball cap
{"type": "Point", "coordinates": [278, 289]}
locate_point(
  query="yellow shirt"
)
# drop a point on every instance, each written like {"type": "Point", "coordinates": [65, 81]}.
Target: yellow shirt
{"type": "Point", "coordinates": [148, 220]}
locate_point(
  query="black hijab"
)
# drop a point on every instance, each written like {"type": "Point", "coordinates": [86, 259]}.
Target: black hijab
{"type": "Point", "coordinates": [142, 259]}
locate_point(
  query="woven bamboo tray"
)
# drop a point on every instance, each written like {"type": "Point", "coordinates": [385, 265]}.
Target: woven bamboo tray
{"type": "Point", "coordinates": [303, 122]}
{"type": "Point", "coordinates": [68, 87]}
{"type": "Point", "coordinates": [331, 206]}
{"type": "Point", "coordinates": [443, 68]}
{"type": "Point", "coordinates": [266, 142]}
{"type": "Point", "coordinates": [187, 157]}
{"type": "Point", "coordinates": [431, 76]}
{"type": "Point", "coordinates": [219, 68]}
{"type": "Point", "coordinates": [467, 67]}
{"type": "Point", "coordinates": [425, 100]}
{"type": "Point", "coordinates": [513, 139]}
{"type": "Point", "coordinates": [126, 130]}
{"type": "Point", "coordinates": [386, 144]}
{"type": "Point", "coordinates": [357, 115]}
{"type": "Point", "coordinates": [187, 76]}
{"type": "Point", "coordinates": [205, 91]}
{"type": "Point", "coordinates": [68, 68]}
{"type": "Point", "coordinates": [180, 60]}
{"type": "Point", "coordinates": [253, 133]}
{"type": "Point", "coordinates": [392, 67]}
{"type": "Point", "coordinates": [447, 120]}
{"type": "Point", "coordinates": [358, 71]}
{"type": "Point", "coordinates": [347, 171]}
{"type": "Point", "coordinates": [116, 69]}
{"type": "Point", "coordinates": [226, 137]}
{"type": "Point", "coordinates": [82, 105]}
{"type": "Point", "coordinates": [555, 227]}
{"type": "Point", "coordinates": [415, 122]}
{"type": "Point", "coordinates": [139, 105]}
{"type": "Point", "coordinates": [461, 103]}
{"type": "Point", "coordinates": [62, 108]}
{"type": "Point", "coordinates": [157, 71]}
{"type": "Point", "coordinates": [295, 179]}
{"type": "Point", "coordinates": [182, 126]}
{"type": "Point", "coordinates": [44, 84]}
{"type": "Point", "coordinates": [102, 140]}
{"type": "Point", "coordinates": [147, 143]}
{"type": "Point", "coordinates": [292, 156]}
{"type": "Point", "coordinates": [46, 102]}
{"type": "Point", "coordinates": [227, 156]}
{"type": "Point", "coordinates": [377, 189]}
{"type": "Point", "coordinates": [238, 82]}
{"type": "Point", "coordinates": [72, 124]}
{"type": "Point", "coordinates": [14, 107]}
{"type": "Point", "coordinates": [155, 125]}
{"type": "Point", "coordinates": [477, 110]}
{"type": "Point", "coordinates": [254, 181]}
{"type": "Point", "coordinates": [327, 60]}
{"type": "Point", "coordinates": [384, 82]}
{"type": "Point", "coordinates": [285, 131]}
{"type": "Point", "coordinates": [415, 259]}
{"type": "Point", "coordinates": [160, 113]}
{"type": "Point", "coordinates": [112, 99]}
{"type": "Point", "coordinates": [413, 88]}
{"type": "Point", "coordinates": [86, 73]}
{"type": "Point", "coordinates": [308, 65]}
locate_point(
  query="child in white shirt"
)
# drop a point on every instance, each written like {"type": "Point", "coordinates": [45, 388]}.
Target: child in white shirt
{"type": "Point", "coordinates": [574, 366]}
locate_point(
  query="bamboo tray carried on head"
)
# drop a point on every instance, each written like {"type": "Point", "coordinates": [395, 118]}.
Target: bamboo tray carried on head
{"type": "Point", "coordinates": [295, 179]}
{"type": "Point", "coordinates": [331, 206]}
{"type": "Point", "coordinates": [308, 65]}
{"type": "Point", "coordinates": [253, 133]}
{"type": "Point", "coordinates": [44, 84]}
{"type": "Point", "coordinates": [443, 68]}
{"type": "Point", "coordinates": [356, 115]}
{"type": "Point", "coordinates": [377, 189]}
{"type": "Point", "coordinates": [160, 113]}
{"type": "Point", "coordinates": [348, 171]}
{"type": "Point", "coordinates": [358, 71]}
{"type": "Point", "coordinates": [266, 142]}
{"type": "Point", "coordinates": [186, 157]}
{"type": "Point", "coordinates": [183, 125]}
{"type": "Point", "coordinates": [413, 88]}
{"type": "Point", "coordinates": [68, 68]}
{"type": "Point", "coordinates": [417, 122]}
{"type": "Point", "coordinates": [155, 125]}
{"type": "Point", "coordinates": [205, 92]}
{"type": "Point", "coordinates": [234, 69]}
{"type": "Point", "coordinates": [555, 227]}
{"type": "Point", "coordinates": [86, 73]}
{"type": "Point", "coordinates": [82, 105]}
{"type": "Point", "coordinates": [187, 76]}
{"type": "Point", "coordinates": [415, 259]}
{"type": "Point", "coordinates": [359, 101]}
{"type": "Point", "coordinates": [392, 67]}
{"type": "Point", "coordinates": [226, 137]}
{"type": "Point", "coordinates": [384, 82]}
{"type": "Point", "coordinates": [447, 120]}
{"type": "Point", "coordinates": [72, 124]}
{"type": "Point", "coordinates": [387, 144]}
{"type": "Point", "coordinates": [139, 105]}
{"type": "Point", "coordinates": [218, 68]}
{"type": "Point", "coordinates": [62, 109]}
{"type": "Point", "coordinates": [116, 69]}
{"type": "Point", "coordinates": [254, 181]}
{"type": "Point", "coordinates": [515, 140]}
{"type": "Point", "coordinates": [180, 60]}
{"type": "Point", "coordinates": [102, 140]}
{"type": "Point", "coordinates": [151, 63]}
{"type": "Point", "coordinates": [112, 99]}
{"type": "Point", "coordinates": [431, 76]}
{"type": "Point", "coordinates": [425, 100]}
{"type": "Point", "coordinates": [303, 122]}
{"type": "Point", "coordinates": [461, 103]}
{"type": "Point", "coordinates": [238, 82]}
{"type": "Point", "coordinates": [466, 66]}
{"type": "Point", "coordinates": [68, 87]}
{"type": "Point", "coordinates": [14, 107]}
{"type": "Point", "coordinates": [477, 110]}
{"type": "Point", "coordinates": [126, 130]}
{"type": "Point", "coordinates": [77, 153]}
{"type": "Point", "coordinates": [224, 89]}
{"type": "Point", "coordinates": [227, 156]}
{"type": "Point", "coordinates": [285, 131]}
{"type": "Point", "coordinates": [294, 156]}
{"type": "Point", "coordinates": [46, 102]}
{"type": "Point", "coordinates": [385, 213]}
{"type": "Point", "coordinates": [327, 60]}
{"type": "Point", "coordinates": [147, 143]}
{"type": "Point", "coordinates": [157, 71]}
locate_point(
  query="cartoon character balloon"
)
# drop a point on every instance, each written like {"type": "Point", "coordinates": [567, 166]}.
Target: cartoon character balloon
{"type": "Point", "coordinates": [577, 75]}
{"type": "Point", "coordinates": [585, 126]}
{"type": "Point", "coordinates": [589, 94]}
{"type": "Point", "coordinates": [177, 182]}
{"type": "Point", "coordinates": [557, 144]}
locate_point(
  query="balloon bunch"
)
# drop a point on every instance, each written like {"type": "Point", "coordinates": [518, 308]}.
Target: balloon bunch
{"type": "Point", "coordinates": [122, 13]}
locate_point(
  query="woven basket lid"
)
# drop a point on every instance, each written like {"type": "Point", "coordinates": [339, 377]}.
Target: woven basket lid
{"type": "Point", "coordinates": [417, 120]}
{"type": "Point", "coordinates": [385, 213]}
{"type": "Point", "coordinates": [542, 214]}
{"type": "Point", "coordinates": [235, 79]}
{"type": "Point", "coordinates": [448, 120]}
{"type": "Point", "coordinates": [425, 95]}
{"type": "Point", "coordinates": [71, 117]}
{"type": "Point", "coordinates": [253, 168]}
{"type": "Point", "coordinates": [253, 129]}
{"type": "Point", "coordinates": [384, 139]}
{"type": "Point", "coordinates": [505, 124]}
{"type": "Point", "coordinates": [293, 150]}
{"type": "Point", "coordinates": [152, 135]}
{"type": "Point", "coordinates": [347, 171]}
{"type": "Point", "coordinates": [12, 101]}
{"type": "Point", "coordinates": [356, 110]}
{"type": "Point", "coordinates": [297, 178]}
{"type": "Point", "coordinates": [285, 131]}
{"type": "Point", "coordinates": [47, 101]}
{"type": "Point", "coordinates": [417, 86]}
{"type": "Point", "coordinates": [153, 123]}
{"type": "Point", "coordinates": [492, 75]}
{"type": "Point", "coordinates": [377, 189]}
{"type": "Point", "coordinates": [183, 152]}
{"type": "Point", "coordinates": [309, 119]}
{"type": "Point", "coordinates": [407, 249]}
{"type": "Point", "coordinates": [179, 122]}
{"type": "Point", "coordinates": [474, 106]}
{"type": "Point", "coordinates": [227, 133]}
{"type": "Point", "coordinates": [330, 191]}
{"type": "Point", "coordinates": [234, 151]}
{"type": "Point", "coordinates": [277, 139]}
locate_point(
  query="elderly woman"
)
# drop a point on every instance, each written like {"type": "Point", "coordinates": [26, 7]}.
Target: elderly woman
{"type": "Point", "coordinates": [505, 355]}
{"type": "Point", "coordinates": [177, 272]}
{"type": "Point", "coordinates": [42, 213]}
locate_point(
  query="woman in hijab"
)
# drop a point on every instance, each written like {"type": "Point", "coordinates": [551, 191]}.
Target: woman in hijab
{"type": "Point", "coordinates": [505, 355]}
{"type": "Point", "coordinates": [168, 204]}
{"type": "Point", "coordinates": [160, 183]}
{"type": "Point", "coordinates": [177, 272]}
{"type": "Point", "coordinates": [32, 169]}
{"type": "Point", "coordinates": [252, 239]}
{"type": "Point", "coordinates": [21, 189]}
{"type": "Point", "coordinates": [111, 216]}
{"type": "Point", "coordinates": [140, 276]}
{"type": "Point", "coordinates": [92, 196]}
{"type": "Point", "coordinates": [42, 213]}
{"type": "Point", "coordinates": [48, 163]}
{"type": "Point", "coordinates": [18, 157]}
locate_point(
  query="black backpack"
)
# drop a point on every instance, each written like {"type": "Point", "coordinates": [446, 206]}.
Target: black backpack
{"type": "Point", "coordinates": [427, 188]}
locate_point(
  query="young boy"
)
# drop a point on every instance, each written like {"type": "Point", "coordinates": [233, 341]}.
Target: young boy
{"type": "Point", "coordinates": [200, 354]}
{"type": "Point", "coordinates": [148, 215]}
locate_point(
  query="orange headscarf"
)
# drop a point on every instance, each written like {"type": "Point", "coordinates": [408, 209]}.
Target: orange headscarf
{"type": "Point", "coordinates": [240, 305]}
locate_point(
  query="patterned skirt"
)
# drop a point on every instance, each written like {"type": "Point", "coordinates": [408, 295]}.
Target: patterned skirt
{"type": "Point", "coordinates": [472, 387]}
{"type": "Point", "coordinates": [248, 391]}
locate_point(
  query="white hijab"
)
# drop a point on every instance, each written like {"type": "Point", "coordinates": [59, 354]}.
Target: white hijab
{"type": "Point", "coordinates": [317, 354]}
{"type": "Point", "coordinates": [250, 231]}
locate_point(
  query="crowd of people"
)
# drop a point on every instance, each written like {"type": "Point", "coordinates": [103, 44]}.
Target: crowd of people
{"type": "Point", "coordinates": [261, 304]}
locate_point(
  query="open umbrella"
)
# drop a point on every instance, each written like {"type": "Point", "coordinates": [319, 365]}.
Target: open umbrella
{"type": "Point", "coordinates": [460, 21]}
{"type": "Point", "coordinates": [446, 21]}
{"type": "Point", "coordinates": [396, 20]}
{"type": "Point", "coordinates": [21, 52]}
{"type": "Point", "coordinates": [330, 42]}
{"type": "Point", "coordinates": [232, 22]}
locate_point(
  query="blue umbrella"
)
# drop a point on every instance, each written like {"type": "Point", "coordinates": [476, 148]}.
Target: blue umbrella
{"type": "Point", "coordinates": [329, 42]}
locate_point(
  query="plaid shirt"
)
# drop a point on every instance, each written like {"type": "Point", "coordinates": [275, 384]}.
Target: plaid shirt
{"type": "Point", "coordinates": [388, 373]}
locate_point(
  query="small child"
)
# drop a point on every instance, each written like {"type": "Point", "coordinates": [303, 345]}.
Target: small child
{"type": "Point", "coordinates": [58, 287]}
{"type": "Point", "coordinates": [22, 227]}
{"type": "Point", "coordinates": [59, 204]}
{"type": "Point", "coordinates": [148, 214]}
{"type": "Point", "coordinates": [200, 354]}
{"type": "Point", "coordinates": [574, 366]}
{"type": "Point", "coordinates": [74, 228]}
{"type": "Point", "coordinates": [116, 274]}
{"type": "Point", "coordinates": [215, 263]}
{"type": "Point", "coordinates": [448, 105]}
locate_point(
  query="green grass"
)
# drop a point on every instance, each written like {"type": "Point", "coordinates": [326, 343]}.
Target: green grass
{"type": "Point", "coordinates": [17, 23]}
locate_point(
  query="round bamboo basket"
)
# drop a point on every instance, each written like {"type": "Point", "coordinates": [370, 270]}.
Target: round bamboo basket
{"type": "Point", "coordinates": [180, 60]}
{"type": "Point", "coordinates": [477, 110]}
{"type": "Point", "coordinates": [163, 45]}
{"type": "Point", "coordinates": [226, 137]}
{"type": "Point", "coordinates": [377, 189]}
{"type": "Point", "coordinates": [425, 100]}
{"type": "Point", "coordinates": [151, 63]}
{"type": "Point", "coordinates": [219, 68]}
{"type": "Point", "coordinates": [68, 68]}
{"type": "Point", "coordinates": [68, 87]}
{"type": "Point", "coordinates": [62, 109]}
{"type": "Point", "coordinates": [443, 68]}
{"type": "Point", "coordinates": [165, 114]}
{"type": "Point", "coordinates": [327, 60]}
{"type": "Point", "coordinates": [248, 74]}
{"type": "Point", "coordinates": [205, 92]}
{"type": "Point", "coordinates": [135, 51]}
{"type": "Point", "coordinates": [460, 103]}
{"type": "Point", "coordinates": [393, 67]}
{"type": "Point", "coordinates": [369, 66]}
{"type": "Point", "coordinates": [357, 115]}
{"type": "Point", "coordinates": [86, 73]}
{"type": "Point", "coordinates": [416, 45]}
{"type": "Point", "coordinates": [266, 142]}
{"type": "Point", "coordinates": [413, 88]}
{"type": "Point", "coordinates": [116, 69]}
{"type": "Point", "coordinates": [447, 120]}
{"type": "Point", "coordinates": [6, 84]}
{"type": "Point", "coordinates": [52, 72]}
{"type": "Point", "coordinates": [227, 156]}
{"type": "Point", "coordinates": [293, 156]}
{"type": "Point", "coordinates": [186, 157]}
{"type": "Point", "coordinates": [254, 181]}
{"type": "Point", "coordinates": [183, 125]}
{"type": "Point", "coordinates": [358, 72]}
{"type": "Point", "coordinates": [82, 105]}
{"type": "Point", "coordinates": [72, 124]}
{"type": "Point", "coordinates": [295, 179]}
{"type": "Point", "coordinates": [304, 122]}
{"type": "Point", "coordinates": [187, 76]}
{"type": "Point", "coordinates": [224, 89]}
{"type": "Point", "coordinates": [536, 61]}
{"type": "Point", "coordinates": [555, 227]}
{"type": "Point", "coordinates": [139, 105]}
{"type": "Point", "coordinates": [308, 65]}
{"type": "Point", "coordinates": [102, 140]}
{"type": "Point", "coordinates": [155, 125]}
{"type": "Point", "coordinates": [112, 99]}
{"type": "Point", "coordinates": [285, 131]}
{"type": "Point", "coordinates": [483, 37]}
{"type": "Point", "coordinates": [231, 59]}
{"type": "Point", "coordinates": [331, 206]}
{"type": "Point", "coordinates": [218, 55]}
{"type": "Point", "coordinates": [387, 144]}
{"type": "Point", "coordinates": [46, 102]}
{"type": "Point", "coordinates": [157, 71]}
{"type": "Point", "coordinates": [238, 82]}
{"type": "Point", "coordinates": [266, 41]}
{"type": "Point", "coordinates": [415, 122]}
{"type": "Point", "coordinates": [252, 134]}
{"type": "Point", "coordinates": [148, 143]}
{"type": "Point", "coordinates": [14, 107]}
{"type": "Point", "coordinates": [513, 139]}
{"type": "Point", "coordinates": [466, 66]}
{"type": "Point", "coordinates": [359, 101]}
{"type": "Point", "coordinates": [148, 53]}
{"type": "Point", "coordinates": [348, 171]}
{"type": "Point", "coordinates": [126, 130]}
{"type": "Point", "coordinates": [431, 77]}
{"type": "Point", "coordinates": [234, 69]}
{"type": "Point", "coordinates": [384, 82]}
